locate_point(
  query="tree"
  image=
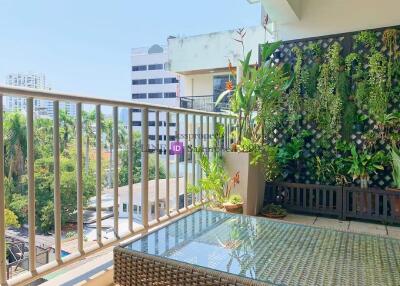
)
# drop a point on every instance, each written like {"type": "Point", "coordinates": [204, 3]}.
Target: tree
{"type": "Point", "coordinates": [109, 132]}
{"type": "Point", "coordinates": [137, 164]}
{"type": "Point", "coordinates": [67, 128]}
{"type": "Point", "coordinates": [19, 206]}
{"type": "Point", "coordinates": [15, 143]}
{"type": "Point", "coordinates": [10, 218]}
{"type": "Point", "coordinates": [88, 120]}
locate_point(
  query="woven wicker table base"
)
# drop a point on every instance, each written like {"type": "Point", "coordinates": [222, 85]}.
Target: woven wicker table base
{"type": "Point", "coordinates": [135, 268]}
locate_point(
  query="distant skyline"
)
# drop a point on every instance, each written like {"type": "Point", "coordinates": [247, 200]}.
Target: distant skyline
{"type": "Point", "coordinates": [84, 46]}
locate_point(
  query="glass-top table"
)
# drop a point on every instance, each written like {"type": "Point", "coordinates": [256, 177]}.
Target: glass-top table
{"type": "Point", "coordinates": [273, 252]}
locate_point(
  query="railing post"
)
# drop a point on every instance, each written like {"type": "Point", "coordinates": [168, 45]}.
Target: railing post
{"type": "Point", "coordinates": [193, 156]}
{"type": "Point", "coordinates": [3, 263]}
{"type": "Point", "coordinates": [177, 156]}
{"type": "Point", "coordinates": [98, 174]}
{"type": "Point", "coordinates": [130, 170]}
{"type": "Point", "coordinates": [116, 178]}
{"type": "Point", "coordinates": [145, 165]}
{"type": "Point", "coordinates": [57, 191]}
{"type": "Point", "coordinates": [167, 207]}
{"type": "Point", "coordinates": [186, 159]}
{"type": "Point", "coordinates": [79, 181]}
{"type": "Point", "coordinates": [157, 154]}
{"type": "Point", "coordinates": [200, 138]}
{"type": "Point", "coordinates": [343, 203]}
{"type": "Point", "coordinates": [31, 186]}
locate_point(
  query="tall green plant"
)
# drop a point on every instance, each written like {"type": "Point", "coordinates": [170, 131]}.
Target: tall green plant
{"type": "Point", "coordinates": [395, 153]}
{"type": "Point", "coordinates": [251, 96]}
{"type": "Point", "coordinates": [364, 164]}
{"type": "Point", "coordinates": [328, 102]}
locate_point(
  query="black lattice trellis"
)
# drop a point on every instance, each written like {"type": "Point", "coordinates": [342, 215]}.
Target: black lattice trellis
{"type": "Point", "coordinates": [280, 136]}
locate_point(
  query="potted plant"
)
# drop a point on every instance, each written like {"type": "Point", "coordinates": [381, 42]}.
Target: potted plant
{"type": "Point", "coordinates": [274, 211]}
{"type": "Point", "coordinates": [395, 158]}
{"type": "Point", "coordinates": [362, 166]}
{"type": "Point", "coordinates": [234, 204]}
{"type": "Point", "coordinates": [254, 88]}
{"type": "Point", "coordinates": [215, 184]}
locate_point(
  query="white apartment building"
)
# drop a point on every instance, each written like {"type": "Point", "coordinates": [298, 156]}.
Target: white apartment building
{"type": "Point", "coordinates": [36, 81]}
{"type": "Point", "coordinates": [152, 83]}
{"type": "Point", "coordinates": [200, 60]}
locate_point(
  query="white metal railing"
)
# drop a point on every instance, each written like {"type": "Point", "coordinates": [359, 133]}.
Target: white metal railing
{"type": "Point", "coordinates": [199, 118]}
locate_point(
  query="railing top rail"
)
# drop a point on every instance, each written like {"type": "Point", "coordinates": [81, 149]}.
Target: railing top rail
{"type": "Point", "coordinates": [61, 96]}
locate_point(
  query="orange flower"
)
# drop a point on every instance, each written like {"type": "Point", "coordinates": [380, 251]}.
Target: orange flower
{"type": "Point", "coordinates": [229, 85]}
{"type": "Point", "coordinates": [231, 68]}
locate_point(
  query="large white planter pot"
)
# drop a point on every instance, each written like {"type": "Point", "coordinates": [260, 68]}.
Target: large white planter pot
{"type": "Point", "coordinates": [251, 185]}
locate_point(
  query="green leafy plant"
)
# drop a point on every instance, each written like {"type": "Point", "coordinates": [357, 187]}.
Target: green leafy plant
{"type": "Point", "coordinates": [294, 101]}
{"type": "Point", "coordinates": [274, 210]}
{"type": "Point", "coordinates": [395, 154]}
{"type": "Point", "coordinates": [378, 99]}
{"type": "Point", "coordinates": [257, 86]}
{"type": "Point", "coordinates": [214, 183]}
{"type": "Point", "coordinates": [214, 180]}
{"type": "Point", "coordinates": [235, 199]}
{"type": "Point", "coordinates": [328, 105]}
{"type": "Point", "coordinates": [367, 38]}
{"type": "Point", "coordinates": [363, 164]}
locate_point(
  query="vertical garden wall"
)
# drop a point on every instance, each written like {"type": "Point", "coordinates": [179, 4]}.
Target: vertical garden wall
{"type": "Point", "coordinates": [343, 106]}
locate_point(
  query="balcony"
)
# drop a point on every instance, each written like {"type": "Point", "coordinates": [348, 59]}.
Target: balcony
{"type": "Point", "coordinates": [90, 151]}
{"type": "Point", "coordinates": [205, 103]}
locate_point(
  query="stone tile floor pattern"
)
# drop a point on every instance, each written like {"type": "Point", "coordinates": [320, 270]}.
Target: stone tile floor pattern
{"type": "Point", "coordinates": [352, 226]}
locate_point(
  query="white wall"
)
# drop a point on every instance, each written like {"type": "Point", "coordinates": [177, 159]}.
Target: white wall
{"type": "Point", "coordinates": [199, 84]}
{"type": "Point", "coordinates": [212, 51]}
{"type": "Point", "coordinates": [324, 17]}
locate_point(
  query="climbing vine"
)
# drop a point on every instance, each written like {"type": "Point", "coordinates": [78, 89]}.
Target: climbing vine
{"type": "Point", "coordinates": [340, 97]}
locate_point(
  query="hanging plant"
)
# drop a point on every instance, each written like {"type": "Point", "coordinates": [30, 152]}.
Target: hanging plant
{"type": "Point", "coordinates": [368, 39]}
{"type": "Point", "coordinates": [389, 39]}
{"type": "Point", "coordinates": [294, 98]}
{"type": "Point", "coordinates": [377, 81]}
{"type": "Point", "coordinates": [311, 74]}
{"type": "Point", "coordinates": [330, 103]}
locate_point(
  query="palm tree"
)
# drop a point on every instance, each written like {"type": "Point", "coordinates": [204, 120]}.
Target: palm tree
{"type": "Point", "coordinates": [66, 128]}
{"type": "Point", "coordinates": [122, 136]}
{"type": "Point", "coordinates": [88, 119]}
{"type": "Point", "coordinates": [15, 143]}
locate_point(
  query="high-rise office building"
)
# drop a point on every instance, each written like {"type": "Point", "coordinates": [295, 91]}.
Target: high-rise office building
{"type": "Point", "coordinates": [152, 83]}
{"type": "Point", "coordinates": [36, 81]}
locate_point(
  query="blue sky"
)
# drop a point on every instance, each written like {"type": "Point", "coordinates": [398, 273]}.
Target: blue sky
{"type": "Point", "coordinates": [83, 46]}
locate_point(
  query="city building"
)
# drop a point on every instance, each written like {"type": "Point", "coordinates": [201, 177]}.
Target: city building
{"type": "Point", "coordinates": [152, 83]}
{"type": "Point", "coordinates": [36, 81]}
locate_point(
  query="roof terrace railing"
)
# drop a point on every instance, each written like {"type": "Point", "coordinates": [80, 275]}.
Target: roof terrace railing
{"type": "Point", "coordinates": [201, 124]}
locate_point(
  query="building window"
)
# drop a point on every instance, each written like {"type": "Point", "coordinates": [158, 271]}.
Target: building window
{"type": "Point", "coordinates": [138, 96]}
{"type": "Point", "coordinates": [124, 208]}
{"type": "Point", "coordinates": [139, 68]}
{"type": "Point", "coordinates": [136, 110]}
{"type": "Point", "coordinates": [219, 84]}
{"type": "Point", "coordinates": [152, 137]}
{"type": "Point", "coordinates": [155, 95]}
{"type": "Point", "coordinates": [171, 80]}
{"type": "Point", "coordinates": [137, 123]}
{"type": "Point", "coordinates": [139, 81]}
{"type": "Point", "coordinates": [156, 67]}
{"type": "Point", "coordinates": [169, 94]}
{"type": "Point", "coordinates": [155, 81]}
